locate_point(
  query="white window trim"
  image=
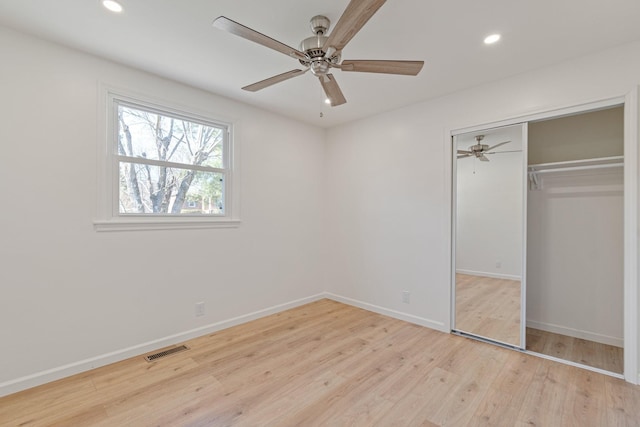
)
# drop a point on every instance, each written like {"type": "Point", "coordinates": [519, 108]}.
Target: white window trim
{"type": "Point", "coordinates": [108, 217]}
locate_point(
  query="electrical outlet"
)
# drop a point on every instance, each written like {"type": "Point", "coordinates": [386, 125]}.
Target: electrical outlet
{"type": "Point", "coordinates": [498, 264]}
{"type": "Point", "coordinates": [200, 309]}
{"type": "Point", "coordinates": [406, 296]}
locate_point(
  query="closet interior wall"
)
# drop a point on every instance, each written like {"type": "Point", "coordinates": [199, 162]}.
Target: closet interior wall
{"type": "Point", "coordinates": [575, 226]}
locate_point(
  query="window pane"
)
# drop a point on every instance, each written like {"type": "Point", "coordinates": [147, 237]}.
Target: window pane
{"type": "Point", "coordinates": [158, 137]}
{"type": "Point", "coordinates": [159, 190]}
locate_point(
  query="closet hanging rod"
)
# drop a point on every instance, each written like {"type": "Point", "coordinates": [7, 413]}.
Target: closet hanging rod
{"type": "Point", "coordinates": [535, 171]}
{"type": "Point", "coordinates": [581, 162]}
{"type": "Point", "coordinates": [532, 169]}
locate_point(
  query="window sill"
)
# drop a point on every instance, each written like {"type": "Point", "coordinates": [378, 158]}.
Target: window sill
{"type": "Point", "coordinates": [163, 224]}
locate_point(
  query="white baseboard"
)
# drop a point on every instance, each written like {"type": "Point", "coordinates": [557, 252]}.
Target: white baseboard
{"type": "Point", "coordinates": [576, 333]}
{"type": "Point", "coordinates": [433, 324]}
{"type": "Point", "coordinates": [43, 377]}
{"type": "Point", "coordinates": [487, 274]}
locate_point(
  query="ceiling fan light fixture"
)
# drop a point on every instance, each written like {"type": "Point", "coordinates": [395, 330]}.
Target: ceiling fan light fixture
{"type": "Point", "coordinates": [327, 101]}
{"type": "Point", "coordinates": [491, 39]}
{"type": "Point", "coordinates": [112, 5]}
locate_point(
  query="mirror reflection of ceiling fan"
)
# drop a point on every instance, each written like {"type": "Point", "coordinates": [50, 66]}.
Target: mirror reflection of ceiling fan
{"type": "Point", "coordinates": [320, 53]}
{"type": "Point", "coordinates": [479, 150]}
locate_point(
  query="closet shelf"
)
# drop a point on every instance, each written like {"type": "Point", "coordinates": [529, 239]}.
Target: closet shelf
{"type": "Point", "coordinates": [569, 166]}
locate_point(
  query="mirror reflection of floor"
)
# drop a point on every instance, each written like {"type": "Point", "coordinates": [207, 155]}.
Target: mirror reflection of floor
{"type": "Point", "coordinates": [488, 307]}
{"type": "Point", "coordinates": [577, 350]}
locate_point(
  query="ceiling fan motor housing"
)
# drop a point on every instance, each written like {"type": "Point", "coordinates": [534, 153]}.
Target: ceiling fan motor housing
{"type": "Point", "coordinates": [313, 47]}
{"type": "Point", "coordinates": [479, 148]}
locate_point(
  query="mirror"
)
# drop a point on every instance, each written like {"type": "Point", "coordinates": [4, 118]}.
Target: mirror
{"type": "Point", "coordinates": [489, 218]}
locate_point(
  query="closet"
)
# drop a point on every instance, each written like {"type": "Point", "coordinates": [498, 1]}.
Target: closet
{"type": "Point", "coordinates": [538, 236]}
{"type": "Point", "coordinates": [574, 304]}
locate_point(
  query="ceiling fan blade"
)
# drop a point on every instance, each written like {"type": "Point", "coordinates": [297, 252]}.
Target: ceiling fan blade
{"type": "Point", "coordinates": [465, 152]}
{"type": "Point", "coordinates": [483, 158]}
{"type": "Point", "coordinates": [497, 145]}
{"type": "Point", "coordinates": [407, 68]}
{"type": "Point", "coordinates": [240, 30]}
{"type": "Point", "coordinates": [462, 156]}
{"type": "Point", "coordinates": [357, 13]}
{"type": "Point", "coordinates": [273, 80]}
{"type": "Point", "coordinates": [332, 90]}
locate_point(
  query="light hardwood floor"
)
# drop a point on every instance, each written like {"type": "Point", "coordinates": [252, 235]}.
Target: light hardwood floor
{"type": "Point", "coordinates": [329, 364]}
{"type": "Point", "coordinates": [577, 350]}
{"type": "Point", "coordinates": [488, 307]}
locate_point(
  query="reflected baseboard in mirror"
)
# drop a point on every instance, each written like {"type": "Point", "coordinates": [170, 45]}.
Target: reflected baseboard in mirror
{"type": "Point", "coordinates": [594, 354]}
{"type": "Point", "coordinates": [488, 307]}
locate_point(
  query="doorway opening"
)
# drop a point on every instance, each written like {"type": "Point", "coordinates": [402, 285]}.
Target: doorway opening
{"type": "Point", "coordinates": [575, 245]}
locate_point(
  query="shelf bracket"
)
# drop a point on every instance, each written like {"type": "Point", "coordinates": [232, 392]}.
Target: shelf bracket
{"type": "Point", "coordinates": [535, 181]}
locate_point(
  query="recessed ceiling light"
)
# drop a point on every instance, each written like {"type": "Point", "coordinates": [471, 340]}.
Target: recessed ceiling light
{"type": "Point", "coordinates": [491, 39]}
{"type": "Point", "coordinates": [112, 5]}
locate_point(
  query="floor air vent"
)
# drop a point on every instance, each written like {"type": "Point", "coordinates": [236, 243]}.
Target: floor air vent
{"type": "Point", "coordinates": [152, 357]}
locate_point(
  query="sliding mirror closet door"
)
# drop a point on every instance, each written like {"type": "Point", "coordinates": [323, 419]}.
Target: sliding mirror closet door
{"type": "Point", "coordinates": [489, 217]}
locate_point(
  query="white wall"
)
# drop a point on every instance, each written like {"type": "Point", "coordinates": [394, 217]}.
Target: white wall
{"type": "Point", "coordinates": [575, 255]}
{"type": "Point", "coordinates": [376, 250]}
{"type": "Point", "coordinates": [69, 293]}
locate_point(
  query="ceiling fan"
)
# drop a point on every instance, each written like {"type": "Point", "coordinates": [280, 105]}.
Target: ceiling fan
{"type": "Point", "coordinates": [320, 53]}
{"type": "Point", "coordinates": [479, 149]}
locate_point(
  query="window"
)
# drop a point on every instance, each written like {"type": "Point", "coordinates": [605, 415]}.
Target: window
{"type": "Point", "coordinates": [166, 168]}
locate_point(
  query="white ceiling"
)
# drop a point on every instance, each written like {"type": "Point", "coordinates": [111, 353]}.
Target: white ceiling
{"type": "Point", "coordinates": [175, 39]}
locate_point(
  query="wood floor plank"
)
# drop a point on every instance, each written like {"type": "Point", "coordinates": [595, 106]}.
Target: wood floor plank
{"type": "Point", "coordinates": [329, 364]}
{"type": "Point", "coordinates": [493, 403]}
{"type": "Point", "coordinates": [360, 380]}
{"type": "Point", "coordinates": [29, 406]}
{"type": "Point", "coordinates": [597, 355]}
{"type": "Point", "coordinates": [429, 394]}
{"type": "Point", "coordinates": [622, 403]}
{"type": "Point", "coordinates": [581, 406]}
{"type": "Point", "coordinates": [545, 400]}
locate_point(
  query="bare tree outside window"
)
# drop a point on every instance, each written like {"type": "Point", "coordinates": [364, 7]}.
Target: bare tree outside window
{"type": "Point", "coordinates": [169, 165]}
